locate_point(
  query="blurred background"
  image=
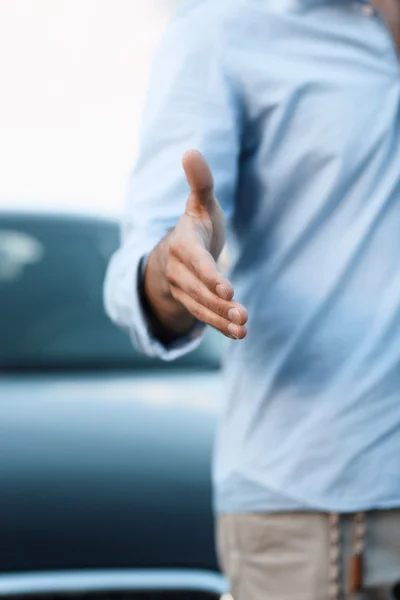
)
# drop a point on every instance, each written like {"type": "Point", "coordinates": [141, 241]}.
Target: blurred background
{"type": "Point", "coordinates": [73, 79]}
{"type": "Point", "coordinates": [105, 454]}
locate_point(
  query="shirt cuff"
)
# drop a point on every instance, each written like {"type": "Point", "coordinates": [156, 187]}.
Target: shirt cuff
{"type": "Point", "coordinates": [123, 303]}
{"type": "Point", "coordinates": [142, 334]}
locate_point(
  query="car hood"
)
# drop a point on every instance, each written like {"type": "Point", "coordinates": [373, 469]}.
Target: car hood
{"type": "Point", "coordinates": [107, 471]}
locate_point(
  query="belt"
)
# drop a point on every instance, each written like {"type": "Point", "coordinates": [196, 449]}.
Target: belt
{"type": "Point", "coordinates": [355, 583]}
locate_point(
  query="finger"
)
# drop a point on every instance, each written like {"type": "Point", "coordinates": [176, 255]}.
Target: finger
{"type": "Point", "coordinates": [181, 277]}
{"type": "Point", "coordinates": [207, 316]}
{"type": "Point", "coordinates": [200, 180]}
{"type": "Point", "coordinates": [198, 260]}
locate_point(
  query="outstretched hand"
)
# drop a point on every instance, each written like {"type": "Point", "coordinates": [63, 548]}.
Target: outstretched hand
{"type": "Point", "coordinates": [194, 248]}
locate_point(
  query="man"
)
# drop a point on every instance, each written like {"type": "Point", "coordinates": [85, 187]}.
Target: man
{"type": "Point", "coordinates": [295, 104]}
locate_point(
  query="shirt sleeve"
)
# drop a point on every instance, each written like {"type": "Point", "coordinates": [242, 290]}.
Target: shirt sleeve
{"type": "Point", "coordinates": [191, 104]}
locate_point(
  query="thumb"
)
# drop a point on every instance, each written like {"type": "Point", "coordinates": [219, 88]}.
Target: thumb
{"type": "Point", "coordinates": [200, 180]}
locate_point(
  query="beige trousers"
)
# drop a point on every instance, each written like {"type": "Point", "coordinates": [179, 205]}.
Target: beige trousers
{"type": "Point", "coordinates": [286, 556]}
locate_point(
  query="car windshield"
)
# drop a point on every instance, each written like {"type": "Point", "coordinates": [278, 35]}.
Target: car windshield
{"type": "Point", "coordinates": [51, 300]}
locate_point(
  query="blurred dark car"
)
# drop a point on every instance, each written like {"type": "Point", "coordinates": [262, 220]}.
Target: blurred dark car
{"type": "Point", "coordinates": [104, 453]}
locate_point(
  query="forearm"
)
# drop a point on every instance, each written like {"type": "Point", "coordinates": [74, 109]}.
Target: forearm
{"type": "Point", "coordinates": [168, 318]}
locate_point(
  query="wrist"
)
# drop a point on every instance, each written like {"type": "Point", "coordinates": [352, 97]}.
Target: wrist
{"type": "Point", "coordinates": [167, 318]}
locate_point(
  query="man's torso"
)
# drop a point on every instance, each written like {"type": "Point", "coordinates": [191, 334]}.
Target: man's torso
{"type": "Point", "coordinates": [312, 417]}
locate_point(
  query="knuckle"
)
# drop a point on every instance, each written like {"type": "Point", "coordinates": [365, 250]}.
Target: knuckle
{"type": "Point", "coordinates": [206, 274]}
{"type": "Point", "coordinates": [216, 321]}
{"type": "Point", "coordinates": [195, 263]}
{"type": "Point", "coordinates": [169, 271]}
{"type": "Point", "coordinates": [197, 312]}
{"type": "Point", "coordinates": [177, 246]}
{"type": "Point", "coordinates": [172, 278]}
{"type": "Point", "coordinates": [174, 292]}
{"type": "Point", "coordinates": [220, 308]}
{"type": "Point", "coordinates": [195, 291]}
{"type": "Point", "coordinates": [206, 269]}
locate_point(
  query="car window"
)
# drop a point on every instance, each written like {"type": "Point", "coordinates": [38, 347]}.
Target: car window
{"type": "Point", "coordinates": [51, 300]}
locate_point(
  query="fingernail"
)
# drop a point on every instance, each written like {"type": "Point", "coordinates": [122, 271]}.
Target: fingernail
{"type": "Point", "coordinates": [234, 315]}
{"type": "Point", "coordinates": [221, 291]}
{"type": "Point", "coordinates": [233, 330]}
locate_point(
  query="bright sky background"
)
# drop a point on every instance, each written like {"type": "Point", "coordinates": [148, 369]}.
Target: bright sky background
{"type": "Point", "coordinates": [73, 76]}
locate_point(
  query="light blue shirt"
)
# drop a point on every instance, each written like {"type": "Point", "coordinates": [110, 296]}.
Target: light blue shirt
{"type": "Point", "coordinates": [296, 106]}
